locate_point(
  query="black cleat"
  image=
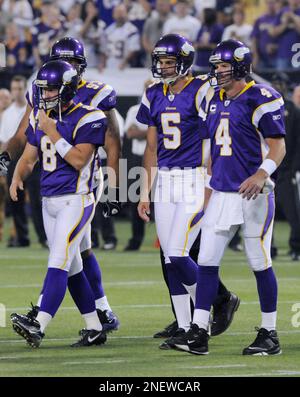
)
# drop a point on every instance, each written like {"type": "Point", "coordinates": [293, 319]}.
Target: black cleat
{"type": "Point", "coordinates": [170, 342]}
{"type": "Point", "coordinates": [195, 341]}
{"type": "Point", "coordinates": [33, 312]}
{"type": "Point", "coordinates": [109, 320]}
{"type": "Point", "coordinates": [27, 327]}
{"type": "Point", "coordinates": [90, 337]}
{"type": "Point", "coordinates": [168, 331]}
{"type": "Point", "coordinates": [223, 313]}
{"type": "Point", "coordinates": [266, 343]}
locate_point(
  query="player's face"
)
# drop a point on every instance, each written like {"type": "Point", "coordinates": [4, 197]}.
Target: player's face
{"type": "Point", "coordinates": [167, 66]}
{"type": "Point", "coordinates": [49, 93]}
{"type": "Point", "coordinates": [223, 71]}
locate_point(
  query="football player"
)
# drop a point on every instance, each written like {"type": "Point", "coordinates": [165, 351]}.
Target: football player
{"type": "Point", "coordinates": [64, 137]}
{"type": "Point", "coordinates": [103, 97]}
{"type": "Point", "coordinates": [176, 144]}
{"type": "Point", "coordinates": [246, 122]}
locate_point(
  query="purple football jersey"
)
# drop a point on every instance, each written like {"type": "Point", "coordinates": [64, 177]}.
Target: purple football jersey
{"type": "Point", "coordinates": [80, 124]}
{"type": "Point", "coordinates": [238, 129]}
{"type": "Point", "coordinates": [180, 131]}
{"type": "Point", "coordinates": [91, 93]}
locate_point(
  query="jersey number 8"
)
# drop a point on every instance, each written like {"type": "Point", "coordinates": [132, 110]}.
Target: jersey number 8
{"type": "Point", "coordinates": [49, 154]}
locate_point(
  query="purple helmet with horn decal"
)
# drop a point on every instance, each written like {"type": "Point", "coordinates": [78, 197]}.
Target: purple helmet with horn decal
{"type": "Point", "coordinates": [234, 52]}
{"type": "Point", "coordinates": [58, 75]}
{"type": "Point", "coordinates": [176, 46]}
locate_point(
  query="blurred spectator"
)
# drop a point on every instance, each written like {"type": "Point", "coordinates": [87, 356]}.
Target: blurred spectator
{"type": "Point", "coordinates": [73, 22]}
{"type": "Point", "coordinates": [47, 29]}
{"type": "Point", "coordinates": [153, 27]}
{"type": "Point", "coordinates": [16, 50]}
{"type": "Point", "coordinates": [287, 33]}
{"type": "Point", "coordinates": [138, 11]}
{"type": "Point", "coordinates": [105, 8]}
{"type": "Point", "coordinates": [10, 120]}
{"type": "Point", "coordinates": [21, 13]}
{"type": "Point", "coordinates": [90, 32]}
{"type": "Point", "coordinates": [136, 133]}
{"type": "Point", "coordinates": [286, 195]}
{"type": "Point", "coordinates": [122, 41]}
{"type": "Point", "coordinates": [208, 37]}
{"type": "Point", "coordinates": [5, 101]}
{"type": "Point", "coordinates": [5, 17]}
{"type": "Point", "coordinates": [225, 10]}
{"type": "Point", "coordinates": [264, 47]}
{"type": "Point", "coordinates": [182, 22]}
{"type": "Point", "coordinates": [296, 96]}
{"type": "Point", "coordinates": [200, 5]}
{"type": "Point", "coordinates": [239, 30]}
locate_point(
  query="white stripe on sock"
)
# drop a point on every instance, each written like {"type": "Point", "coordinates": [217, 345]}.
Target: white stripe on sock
{"type": "Point", "coordinates": [102, 304]}
{"type": "Point", "coordinates": [182, 308]}
{"type": "Point", "coordinates": [44, 319]}
{"type": "Point", "coordinates": [201, 318]}
{"type": "Point", "coordinates": [92, 321]}
{"type": "Point", "coordinates": [268, 320]}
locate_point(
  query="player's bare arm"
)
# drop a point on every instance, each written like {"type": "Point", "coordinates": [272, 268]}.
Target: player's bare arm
{"type": "Point", "coordinates": [112, 147]}
{"type": "Point", "coordinates": [150, 163]}
{"type": "Point", "coordinates": [23, 169]}
{"type": "Point", "coordinates": [78, 156]}
{"type": "Point", "coordinates": [253, 185]}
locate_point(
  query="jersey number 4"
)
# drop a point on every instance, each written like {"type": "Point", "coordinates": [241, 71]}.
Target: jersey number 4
{"type": "Point", "coordinates": [223, 138]}
{"type": "Point", "coordinates": [49, 154]}
{"type": "Point", "coordinates": [167, 121]}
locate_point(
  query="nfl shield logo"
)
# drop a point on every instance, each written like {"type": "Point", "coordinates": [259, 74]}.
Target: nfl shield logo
{"type": "Point", "coordinates": [227, 102]}
{"type": "Point", "coordinates": [171, 97]}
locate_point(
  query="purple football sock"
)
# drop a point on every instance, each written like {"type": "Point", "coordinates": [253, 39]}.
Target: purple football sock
{"type": "Point", "coordinates": [82, 293]}
{"type": "Point", "coordinates": [207, 286]}
{"type": "Point", "coordinates": [186, 269]}
{"type": "Point", "coordinates": [267, 290]}
{"type": "Point", "coordinates": [44, 285]}
{"type": "Point", "coordinates": [175, 284]}
{"type": "Point", "coordinates": [92, 271]}
{"type": "Point", "coordinates": [54, 290]}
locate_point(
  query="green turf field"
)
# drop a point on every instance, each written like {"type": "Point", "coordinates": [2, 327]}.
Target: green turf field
{"type": "Point", "coordinates": [138, 295]}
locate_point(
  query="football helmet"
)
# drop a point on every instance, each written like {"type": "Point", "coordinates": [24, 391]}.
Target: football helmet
{"type": "Point", "coordinates": [58, 75]}
{"type": "Point", "coordinates": [70, 49]}
{"type": "Point", "coordinates": [178, 47]}
{"type": "Point", "coordinates": [234, 52]}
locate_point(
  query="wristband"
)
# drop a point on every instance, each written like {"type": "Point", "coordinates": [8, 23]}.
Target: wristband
{"type": "Point", "coordinates": [62, 147]}
{"type": "Point", "coordinates": [269, 166]}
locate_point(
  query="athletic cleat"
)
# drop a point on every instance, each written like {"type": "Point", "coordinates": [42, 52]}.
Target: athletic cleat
{"type": "Point", "coordinates": [195, 341]}
{"type": "Point", "coordinates": [168, 331]}
{"type": "Point", "coordinates": [33, 312]}
{"type": "Point", "coordinates": [170, 342]}
{"type": "Point", "coordinates": [223, 313]}
{"type": "Point", "coordinates": [90, 337]}
{"type": "Point", "coordinates": [108, 320]}
{"type": "Point", "coordinates": [27, 327]}
{"type": "Point", "coordinates": [266, 344]}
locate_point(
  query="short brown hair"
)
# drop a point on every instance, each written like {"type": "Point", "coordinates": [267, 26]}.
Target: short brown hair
{"type": "Point", "coordinates": [19, 78]}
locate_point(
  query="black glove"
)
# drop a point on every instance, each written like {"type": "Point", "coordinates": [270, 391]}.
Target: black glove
{"type": "Point", "coordinates": [4, 163]}
{"type": "Point", "coordinates": [112, 206]}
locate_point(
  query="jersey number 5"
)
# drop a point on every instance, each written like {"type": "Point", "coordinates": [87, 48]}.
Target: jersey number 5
{"type": "Point", "coordinates": [223, 138]}
{"type": "Point", "coordinates": [174, 141]}
{"type": "Point", "coordinates": [49, 154]}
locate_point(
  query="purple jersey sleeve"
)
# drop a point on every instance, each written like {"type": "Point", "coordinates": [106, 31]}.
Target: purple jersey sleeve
{"type": "Point", "coordinates": [144, 115]}
{"type": "Point", "coordinates": [268, 117]}
{"type": "Point", "coordinates": [31, 136]}
{"type": "Point", "coordinates": [91, 129]}
{"type": "Point", "coordinates": [105, 99]}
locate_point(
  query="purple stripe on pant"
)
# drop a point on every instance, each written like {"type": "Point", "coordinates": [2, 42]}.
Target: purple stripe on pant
{"type": "Point", "coordinates": [270, 214]}
{"type": "Point", "coordinates": [87, 212]}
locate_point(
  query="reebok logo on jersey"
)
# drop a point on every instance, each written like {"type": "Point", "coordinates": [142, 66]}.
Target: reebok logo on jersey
{"type": "Point", "coordinates": [276, 117]}
{"type": "Point", "coordinates": [96, 125]}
